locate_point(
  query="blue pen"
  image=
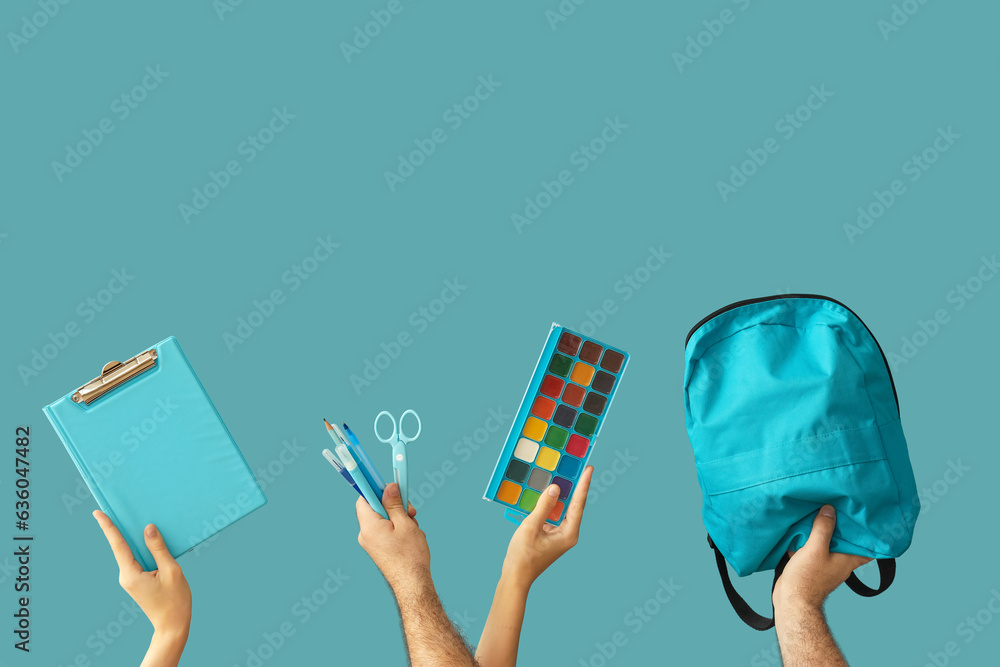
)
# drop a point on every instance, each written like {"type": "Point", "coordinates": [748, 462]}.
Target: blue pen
{"type": "Point", "coordinates": [365, 464]}
{"type": "Point", "coordinates": [366, 489]}
{"type": "Point", "coordinates": [340, 468]}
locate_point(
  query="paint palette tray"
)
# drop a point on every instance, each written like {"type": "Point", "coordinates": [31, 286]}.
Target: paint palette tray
{"type": "Point", "coordinates": [555, 427]}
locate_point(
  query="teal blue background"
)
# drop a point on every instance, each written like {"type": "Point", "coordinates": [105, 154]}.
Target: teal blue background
{"type": "Point", "coordinates": [655, 186]}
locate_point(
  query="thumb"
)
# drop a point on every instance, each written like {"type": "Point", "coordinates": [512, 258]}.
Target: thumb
{"type": "Point", "coordinates": [822, 530]}
{"type": "Point", "coordinates": [545, 503]}
{"type": "Point", "coordinates": [393, 504]}
{"type": "Point", "coordinates": [157, 547]}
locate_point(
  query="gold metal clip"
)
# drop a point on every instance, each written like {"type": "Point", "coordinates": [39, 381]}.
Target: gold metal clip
{"type": "Point", "coordinates": [115, 374]}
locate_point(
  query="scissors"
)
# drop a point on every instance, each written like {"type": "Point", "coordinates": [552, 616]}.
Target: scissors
{"type": "Point", "coordinates": [399, 440]}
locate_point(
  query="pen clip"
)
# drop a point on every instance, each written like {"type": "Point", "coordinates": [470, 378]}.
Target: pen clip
{"type": "Point", "coordinates": [114, 374]}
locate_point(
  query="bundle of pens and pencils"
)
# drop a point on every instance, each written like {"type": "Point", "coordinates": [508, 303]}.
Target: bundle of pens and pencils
{"type": "Point", "coordinates": [351, 461]}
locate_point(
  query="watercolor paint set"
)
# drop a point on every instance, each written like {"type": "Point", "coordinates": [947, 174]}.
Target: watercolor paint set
{"type": "Point", "coordinates": [555, 427]}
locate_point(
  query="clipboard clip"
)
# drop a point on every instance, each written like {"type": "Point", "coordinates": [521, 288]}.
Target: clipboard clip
{"type": "Point", "coordinates": [114, 374]}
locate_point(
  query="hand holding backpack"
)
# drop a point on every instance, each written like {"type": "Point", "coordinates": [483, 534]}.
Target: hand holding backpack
{"type": "Point", "coordinates": [789, 406]}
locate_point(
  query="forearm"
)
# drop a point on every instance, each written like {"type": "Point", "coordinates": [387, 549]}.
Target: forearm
{"type": "Point", "coordinates": [498, 643]}
{"type": "Point", "coordinates": [804, 636]}
{"type": "Point", "coordinates": [431, 638]}
{"type": "Point", "coordinates": [165, 649]}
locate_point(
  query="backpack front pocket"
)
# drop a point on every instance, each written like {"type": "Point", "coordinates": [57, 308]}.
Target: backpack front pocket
{"type": "Point", "coordinates": [754, 499]}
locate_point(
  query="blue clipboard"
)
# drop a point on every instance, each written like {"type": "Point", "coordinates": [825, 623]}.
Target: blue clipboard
{"type": "Point", "coordinates": [153, 449]}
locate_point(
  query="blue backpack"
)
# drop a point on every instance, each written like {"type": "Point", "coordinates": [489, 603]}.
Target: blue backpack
{"type": "Point", "coordinates": [790, 405]}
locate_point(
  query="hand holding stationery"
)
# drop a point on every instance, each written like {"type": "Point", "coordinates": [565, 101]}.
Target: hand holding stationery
{"type": "Point", "coordinates": [174, 458]}
{"type": "Point", "coordinates": [536, 544]}
{"type": "Point", "coordinates": [398, 441]}
{"type": "Point", "coordinates": [352, 462]}
{"type": "Point", "coordinates": [397, 545]}
{"type": "Point", "coordinates": [163, 594]}
{"type": "Point", "coordinates": [399, 549]}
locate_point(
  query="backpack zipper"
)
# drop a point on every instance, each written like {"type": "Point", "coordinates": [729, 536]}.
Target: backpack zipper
{"type": "Point", "coordinates": [747, 302]}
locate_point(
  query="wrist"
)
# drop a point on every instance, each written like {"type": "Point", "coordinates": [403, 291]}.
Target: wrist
{"type": "Point", "coordinates": [413, 583]}
{"type": "Point", "coordinates": [791, 602]}
{"type": "Point", "coordinates": [169, 641]}
{"type": "Point", "coordinates": [515, 583]}
{"type": "Point", "coordinates": [518, 572]}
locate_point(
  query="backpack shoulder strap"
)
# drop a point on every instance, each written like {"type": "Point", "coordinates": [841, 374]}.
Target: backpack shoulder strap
{"type": "Point", "coordinates": [886, 569]}
{"type": "Point", "coordinates": [886, 572]}
{"type": "Point", "coordinates": [743, 610]}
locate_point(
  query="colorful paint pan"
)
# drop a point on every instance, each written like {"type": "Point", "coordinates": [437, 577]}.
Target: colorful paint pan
{"type": "Point", "coordinates": [555, 428]}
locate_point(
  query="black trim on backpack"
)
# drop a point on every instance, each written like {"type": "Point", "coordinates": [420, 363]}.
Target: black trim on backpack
{"type": "Point", "coordinates": [747, 302]}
